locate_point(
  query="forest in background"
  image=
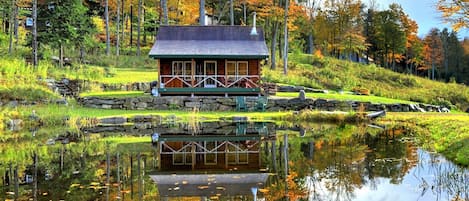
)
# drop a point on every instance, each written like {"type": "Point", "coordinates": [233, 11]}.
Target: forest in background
{"type": "Point", "coordinates": [84, 30]}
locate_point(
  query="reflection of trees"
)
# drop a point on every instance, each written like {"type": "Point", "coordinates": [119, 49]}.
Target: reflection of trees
{"type": "Point", "coordinates": [333, 165]}
{"type": "Point", "coordinates": [72, 169]}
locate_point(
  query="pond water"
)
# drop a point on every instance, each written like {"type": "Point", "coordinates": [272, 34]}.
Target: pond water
{"type": "Point", "coordinates": [225, 161]}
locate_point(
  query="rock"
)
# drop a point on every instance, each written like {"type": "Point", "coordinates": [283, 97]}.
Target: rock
{"type": "Point", "coordinates": [446, 110]}
{"type": "Point", "coordinates": [141, 105]}
{"type": "Point", "coordinates": [192, 104]}
{"type": "Point", "coordinates": [302, 95]}
{"type": "Point", "coordinates": [61, 101]}
{"type": "Point", "coordinates": [15, 124]}
{"type": "Point", "coordinates": [113, 120]}
{"type": "Point", "coordinates": [104, 106]}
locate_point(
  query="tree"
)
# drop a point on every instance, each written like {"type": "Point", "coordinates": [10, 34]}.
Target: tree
{"type": "Point", "coordinates": [434, 54]}
{"type": "Point", "coordinates": [64, 23]}
{"type": "Point", "coordinates": [455, 12]}
{"type": "Point", "coordinates": [117, 27]}
{"type": "Point", "coordinates": [106, 16]}
{"type": "Point", "coordinates": [353, 44]}
{"type": "Point", "coordinates": [139, 20]}
{"type": "Point", "coordinates": [164, 5]}
{"type": "Point", "coordinates": [285, 34]}
{"type": "Point", "coordinates": [34, 35]}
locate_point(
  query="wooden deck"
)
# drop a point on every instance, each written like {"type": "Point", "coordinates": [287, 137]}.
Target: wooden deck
{"type": "Point", "coordinates": [209, 91]}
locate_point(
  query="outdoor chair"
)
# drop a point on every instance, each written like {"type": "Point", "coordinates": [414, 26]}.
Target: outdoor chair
{"type": "Point", "coordinates": [241, 103]}
{"type": "Point", "coordinates": [261, 104]}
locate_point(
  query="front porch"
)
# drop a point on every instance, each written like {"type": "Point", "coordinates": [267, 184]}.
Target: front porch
{"type": "Point", "coordinates": [209, 85]}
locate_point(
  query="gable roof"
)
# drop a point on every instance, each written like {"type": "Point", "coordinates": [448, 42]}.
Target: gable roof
{"type": "Point", "coordinates": [230, 42]}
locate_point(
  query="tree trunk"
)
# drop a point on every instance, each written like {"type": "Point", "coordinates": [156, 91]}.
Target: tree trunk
{"type": "Point", "coordinates": [143, 25]}
{"type": "Point", "coordinates": [139, 177]}
{"type": "Point", "coordinates": [131, 26]}
{"type": "Point", "coordinates": [139, 20]}
{"type": "Point", "coordinates": [16, 27]}
{"type": "Point", "coordinates": [118, 177]}
{"type": "Point", "coordinates": [17, 182]}
{"type": "Point", "coordinates": [244, 13]}
{"type": "Point", "coordinates": [202, 13]}
{"type": "Point", "coordinates": [164, 4]}
{"type": "Point", "coordinates": [285, 51]}
{"type": "Point", "coordinates": [106, 16]}
{"type": "Point", "coordinates": [273, 45]}
{"type": "Point", "coordinates": [117, 27]}
{"type": "Point", "coordinates": [310, 44]}
{"type": "Point", "coordinates": [231, 13]}
{"type": "Point", "coordinates": [108, 171]}
{"type": "Point", "coordinates": [35, 162]}
{"type": "Point", "coordinates": [10, 28]}
{"type": "Point", "coordinates": [61, 56]}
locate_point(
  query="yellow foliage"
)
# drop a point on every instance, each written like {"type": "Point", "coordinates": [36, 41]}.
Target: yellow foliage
{"type": "Point", "coordinates": [98, 23]}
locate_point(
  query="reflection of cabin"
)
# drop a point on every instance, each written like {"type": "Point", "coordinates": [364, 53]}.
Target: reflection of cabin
{"type": "Point", "coordinates": [209, 165]}
{"type": "Point", "coordinates": [222, 60]}
{"type": "Point", "coordinates": [232, 185]}
{"type": "Point", "coordinates": [209, 152]}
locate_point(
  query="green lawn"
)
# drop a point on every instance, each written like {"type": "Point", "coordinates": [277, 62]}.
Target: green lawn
{"type": "Point", "coordinates": [130, 75]}
{"type": "Point", "coordinates": [345, 97]}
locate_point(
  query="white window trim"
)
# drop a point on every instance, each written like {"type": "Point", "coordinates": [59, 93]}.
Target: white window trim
{"type": "Point", "coordinates": [237, 68]}
{"type": "Point", "coordinates": [184, 73]}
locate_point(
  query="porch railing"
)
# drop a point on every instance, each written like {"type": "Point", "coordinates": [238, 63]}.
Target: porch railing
{"type": "Point", "coordinates": [210, 81]}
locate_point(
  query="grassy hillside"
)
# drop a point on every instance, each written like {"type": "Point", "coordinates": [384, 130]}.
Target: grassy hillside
{"type": "Point", "coordinates": [333, 74]}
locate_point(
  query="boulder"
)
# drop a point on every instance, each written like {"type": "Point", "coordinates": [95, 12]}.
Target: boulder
{"type": "Point", "coordinates": [113, 120]}
{"type": "Point", "coordinates": [302, 95]}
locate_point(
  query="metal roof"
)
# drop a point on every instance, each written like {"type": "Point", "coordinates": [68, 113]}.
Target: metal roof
{"type": "Point", "coordinates": [229, 42]}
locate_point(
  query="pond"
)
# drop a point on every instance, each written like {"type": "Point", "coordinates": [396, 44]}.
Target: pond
{"type": "Point", "coordinates": [225, 161]}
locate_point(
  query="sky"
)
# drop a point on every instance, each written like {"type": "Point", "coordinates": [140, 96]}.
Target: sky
{"type": "Point", "coordinates": [423, 12]}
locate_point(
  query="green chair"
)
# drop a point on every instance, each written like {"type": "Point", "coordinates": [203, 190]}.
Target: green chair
{"type": "Point", "coordinates": [241, 103]}
{"type": "Point", "coordinates": [261, 103]}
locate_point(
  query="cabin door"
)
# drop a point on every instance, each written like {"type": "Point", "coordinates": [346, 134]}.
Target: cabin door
{"type": "Point", "coordinates": [210, 72]}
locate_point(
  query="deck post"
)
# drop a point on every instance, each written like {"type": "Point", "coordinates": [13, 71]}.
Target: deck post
{"type": "Point", "coordinates": [193, 72]}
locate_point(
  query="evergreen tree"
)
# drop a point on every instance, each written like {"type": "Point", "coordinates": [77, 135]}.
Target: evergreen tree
{"type": "Point", "coordinates": [64, 23]}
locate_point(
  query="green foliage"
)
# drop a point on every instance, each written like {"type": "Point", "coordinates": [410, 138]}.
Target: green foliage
{"type": "Point", "coordinates": [66, 23]}
{"type": "Point", "coordinates": [338, 74]}
{"type": "Point", "coordinates": [27, 92]}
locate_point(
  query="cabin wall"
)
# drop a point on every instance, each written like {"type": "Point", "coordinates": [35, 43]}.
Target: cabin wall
{"type": "Point", "coordinates": [252, 164]}
{"type": "Point", "coordinates": [165, 68]}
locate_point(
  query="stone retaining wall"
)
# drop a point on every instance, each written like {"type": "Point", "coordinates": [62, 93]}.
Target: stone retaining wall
{"type": "Point", "coordinates": [227, 104]}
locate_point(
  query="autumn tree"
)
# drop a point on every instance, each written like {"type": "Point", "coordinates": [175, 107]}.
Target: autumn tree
{"type": "Point", "coordinates": [434, 54]}
{"type": "Point", "coordinates": [455, 12]}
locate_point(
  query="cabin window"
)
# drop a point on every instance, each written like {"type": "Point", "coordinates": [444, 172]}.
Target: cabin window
{"type": "Point", "coordinates": [242, 68]}
{"type": "Point", "coordinates": [182, 68]}
{"type": "Point", "coordinates": [235, 69]}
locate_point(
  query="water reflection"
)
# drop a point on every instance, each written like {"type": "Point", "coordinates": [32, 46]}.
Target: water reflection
{"type": "Point", "coordinates": [225, 161]}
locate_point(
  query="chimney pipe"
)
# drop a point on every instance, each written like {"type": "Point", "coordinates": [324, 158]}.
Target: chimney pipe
{"type": "Point", "coordinates": [253, 30]}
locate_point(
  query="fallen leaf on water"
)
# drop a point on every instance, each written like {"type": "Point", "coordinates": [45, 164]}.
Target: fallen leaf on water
{"type": "Point", "coordinates": [202, 187]}
{"type": "Point", "coordinates": [221, 188]}
{"type": "Point", "coordinates": [94, 183]}
{"type": "Point", "coordinates": [74, 185]}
